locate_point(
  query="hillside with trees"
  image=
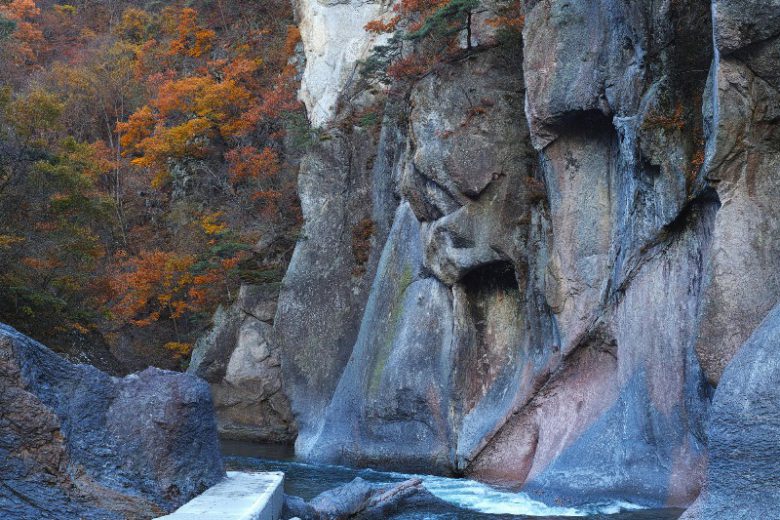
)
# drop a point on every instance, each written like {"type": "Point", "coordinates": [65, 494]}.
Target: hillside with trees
{"type": "Point", "coordinates": [147, 168]}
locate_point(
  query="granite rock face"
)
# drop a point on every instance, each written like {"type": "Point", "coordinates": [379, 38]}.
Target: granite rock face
{"type": "Point", "coordinates": [77, 443]}
{"type": "Point", "coordinates": [240, 359]}
{"type": "Point", "coordinates": [621, 410]}
{"type": "Point", "coordinates": [743, 478]}
{"type": "Point", "coordinates": [347, 201]}
{"type": "Point", "coordinates": [582, 241]}
{"type": "Point", "coordinates": [335, 41]}
{"type": "Point", "coordinates": [743, 163]}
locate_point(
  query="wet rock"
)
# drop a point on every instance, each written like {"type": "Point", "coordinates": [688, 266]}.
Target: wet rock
{"type": "Point", "coordinates": [343, 502]}
{"type": "Point", "coordinates": [743, 478]}
{"type": "Point", "coordinates": [297, 507]}
{"type": "Point", "coordinates": [415, 325]}
{"type": "Point", "coordinates": [361, 500]}
{"type": "Point", "coordinates": [77, 443]}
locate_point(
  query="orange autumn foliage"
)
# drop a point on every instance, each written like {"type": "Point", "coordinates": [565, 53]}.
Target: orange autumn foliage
{"type": "Point", "coordinates": [279, 98]}
{"type": "Point", "coordinates": [134, 24]}
{"type": "Point", "coordinates": [211, 225]}
{"type": "Point", "coordinates": [27, 35]}
{"type": "Point", "coordinates": [182, 119]}
{"type": "Point", "coordinates": [412, 66]}
{"type": "Point", "coordinates": [154, 162]}
{"type": "Point", "coordinates": [382, 26]}
{"type": "Point", "coordinates": [292, 40]}
{"type": "Point", "coordinates": [179, 349]}
{"type": "Point", "coordinates": [191, 39]}
{"type": "Point", "coordinates": [405, 11]}
{"type": "Point", "coordinates": [509, 17]}
{"type": "Point", "coordinates": [207, 102]}
{"type": "Point", "coordinates": [155, 283]}
{"type": "Point", "coordinates": [247, 162]}
{"type": "Point", "coordinates": [514, 22]}
{"type": "Point", "coordinates": [440, 30]}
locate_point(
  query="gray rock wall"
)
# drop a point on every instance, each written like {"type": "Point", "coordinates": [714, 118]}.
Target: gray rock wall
{"type": "Point", "coordinates": [743, 477]}
{"type": "Point", "coordinates": [743, 163]}
{"type": "Point", "coordinates": [585, 238]}
{"type": "Point", "coordinates": [343, 187]}
{"type": "Point", "coordinates": [77, 443]}
{"type": "Point", "coordinates": [395, 382]}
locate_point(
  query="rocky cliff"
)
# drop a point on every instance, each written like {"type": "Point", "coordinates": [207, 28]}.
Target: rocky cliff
{"type": "Point", "coordinates": [78, 443]}
{"type": "Point", "coordinates": [743, 480]}
{"type": "Point", "coordinates": [533, 267]}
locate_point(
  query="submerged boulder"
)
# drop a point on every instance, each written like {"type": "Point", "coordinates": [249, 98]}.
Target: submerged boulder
{"type": "Point", "coordinates": [362, 500]}
{"type": "Point", "coordinates": [743, 476]}
{"type": "Point", "coordinates": [78, 443]}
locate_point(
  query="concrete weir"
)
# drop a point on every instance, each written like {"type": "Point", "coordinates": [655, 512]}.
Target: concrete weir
{"type": "Point", "coordinates": [240, 496]}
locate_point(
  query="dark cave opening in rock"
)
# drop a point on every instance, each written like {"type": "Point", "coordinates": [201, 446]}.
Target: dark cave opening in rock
{"type": "Point", "coordinates": [491, 327]}
{"type": "Point", "coordinates": [485, 281]}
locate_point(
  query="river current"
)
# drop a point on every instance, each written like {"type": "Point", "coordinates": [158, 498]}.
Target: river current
{"type": "Point", "coordinates": [466, 499]}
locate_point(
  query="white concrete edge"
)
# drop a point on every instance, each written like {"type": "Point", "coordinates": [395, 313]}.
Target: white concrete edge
{"type": "Point", "coordinates": [267, 506]}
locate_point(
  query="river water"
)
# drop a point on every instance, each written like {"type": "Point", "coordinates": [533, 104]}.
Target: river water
{"type": "Point", "coordinates": [466, 499]}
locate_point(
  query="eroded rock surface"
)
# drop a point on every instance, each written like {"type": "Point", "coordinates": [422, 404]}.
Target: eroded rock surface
{"type": "Point", "coordinates": [743, 163]}
{"type": "Point", "coordinates": [743, 478]}
{"type": "Point", "coordinates": [348, 204]}
{"type": "Point", "coordinates": [77, 443]}
{"type": "Point", "coordinates": [240, 358]}
{"type": "Point", "coordinates": [585, 238]}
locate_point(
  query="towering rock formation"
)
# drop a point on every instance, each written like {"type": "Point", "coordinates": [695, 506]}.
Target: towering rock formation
{"type": "Point", "coordinates": [743, 162]}
{"type": "Point", "coordinates": [346, 192]}
{"type": "Point", "coordinates": [538, 267]}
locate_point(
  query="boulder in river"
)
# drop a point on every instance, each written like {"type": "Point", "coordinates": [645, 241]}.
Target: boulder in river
{"type": "Point", "coordinates": [360, 499]}
{"type": "Point", "coordinates": [78, 443]}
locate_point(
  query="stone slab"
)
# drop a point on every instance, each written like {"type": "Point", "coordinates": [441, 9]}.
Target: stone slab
{"type": "Point", "coordinates": [241, 496]}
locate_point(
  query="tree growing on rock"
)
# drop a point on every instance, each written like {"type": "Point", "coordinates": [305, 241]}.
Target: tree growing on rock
{"type": "Point", "coordinates": [427, 32]}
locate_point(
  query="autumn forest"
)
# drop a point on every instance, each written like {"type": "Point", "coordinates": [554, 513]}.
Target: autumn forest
{"type": "Point", "coordinates": [147, 167]}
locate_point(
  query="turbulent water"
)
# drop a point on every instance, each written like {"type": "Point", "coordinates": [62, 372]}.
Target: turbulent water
{"type": "Point", "coordinates": [469, 500]}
